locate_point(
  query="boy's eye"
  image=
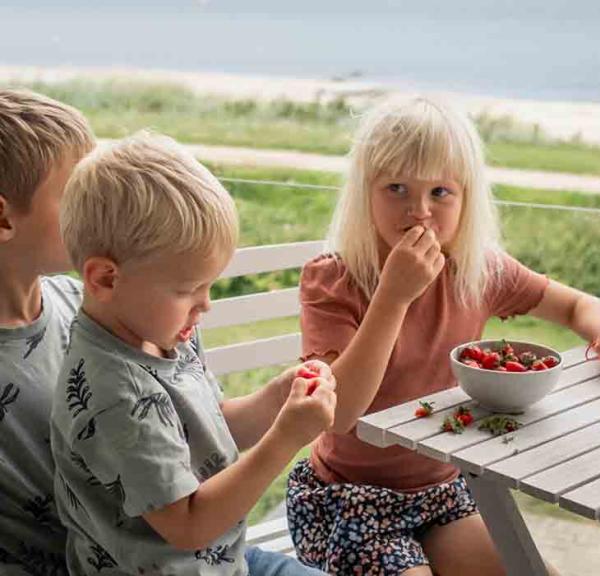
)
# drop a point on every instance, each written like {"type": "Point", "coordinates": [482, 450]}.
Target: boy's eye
{"type": "Point", "coordinates": [440, 192]}
{"type": "Point", "coordinates": [398, 189]}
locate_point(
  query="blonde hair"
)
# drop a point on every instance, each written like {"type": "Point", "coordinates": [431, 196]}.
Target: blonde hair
{"type": "Point", "coordinates": [141, 196]}
{"type": "Point", "coordinates": [36, 133]}
{"type": "Point", "coordinates": [428, 140]}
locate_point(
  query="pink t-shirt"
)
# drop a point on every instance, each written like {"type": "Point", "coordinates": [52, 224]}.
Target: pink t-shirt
{"type": "Point", "coordinates": [332, 309]}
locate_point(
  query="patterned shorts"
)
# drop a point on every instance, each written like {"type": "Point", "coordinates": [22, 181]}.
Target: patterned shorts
{"type": "Point", "coordinates": [360, 530]}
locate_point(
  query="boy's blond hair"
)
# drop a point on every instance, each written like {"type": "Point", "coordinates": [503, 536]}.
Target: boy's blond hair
{"type": "Point", "coordinates": [142, 196]}
{"type": "Point", "coordinates": [36, 133]}
{"type": "Point", "coordinates": [424, 139]}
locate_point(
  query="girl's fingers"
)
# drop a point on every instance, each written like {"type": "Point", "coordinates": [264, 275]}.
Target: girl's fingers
{"type": "Point", "coordinates": [412, 236]}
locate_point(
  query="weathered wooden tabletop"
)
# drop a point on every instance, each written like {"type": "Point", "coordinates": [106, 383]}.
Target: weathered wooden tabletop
{"type": "Point", "coordinates": [554, 456]}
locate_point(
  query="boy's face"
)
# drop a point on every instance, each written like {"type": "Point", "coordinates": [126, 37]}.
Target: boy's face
{"type": "Point", "coordinates": [38, 238]}
{"type": "Point", "coordinates": [161, 300]}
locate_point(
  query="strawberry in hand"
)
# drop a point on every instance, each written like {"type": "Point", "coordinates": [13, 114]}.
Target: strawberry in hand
{"type": "Point", "coordinates": [311, 374]}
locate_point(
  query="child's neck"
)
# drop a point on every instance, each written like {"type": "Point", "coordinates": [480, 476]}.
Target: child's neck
{"type": "Point", "coordinates": [104, 316]}
{"type": "Point", "coordinates": [20, 297]}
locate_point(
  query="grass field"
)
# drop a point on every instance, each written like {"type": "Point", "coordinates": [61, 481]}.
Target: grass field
{"type": "Point", "coordinates": [117, 108]}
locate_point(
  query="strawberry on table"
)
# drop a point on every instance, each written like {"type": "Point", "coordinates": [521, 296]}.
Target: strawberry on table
{"type": "Point", "coordinates": [425, 409]}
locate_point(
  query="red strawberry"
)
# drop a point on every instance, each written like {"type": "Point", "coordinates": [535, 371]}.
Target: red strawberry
{"type": "Point", "coordinates": [500, 369]}
{"type": "Point", "coordinates": [312, 386]}
{"type": "Point", "coordinates": [425, 409]}
{"type": "Point", "coordinates": [471, 353]}
{"type": "Point", "coordinates": [539, 365]}
{"type": "Point", "coordinates": [514, 367]}
{"type": "Point", "coordinates": [490, 361]}
{"type": "Point", "coordinates": [305, 372]}
{"type": "Point", "coordinates": [550, 361]}
{"type": "Point", "coordinates": [463, 415]}
{"type": "Point", "coordinates": [471, 363]}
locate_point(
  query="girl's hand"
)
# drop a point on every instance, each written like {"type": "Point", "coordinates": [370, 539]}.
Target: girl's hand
{"type": "Point", "coordinates": [593, 349]}
{"type": "Point", "coordinates": [413, 264]}
{"type": "Point", "coordinates": [303, 417]}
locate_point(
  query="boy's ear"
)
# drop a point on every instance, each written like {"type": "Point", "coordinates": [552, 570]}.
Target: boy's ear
{"type": "Point", "coordinates": [100, 277]}
{"type": "Point", "coordinates": [7, 224]}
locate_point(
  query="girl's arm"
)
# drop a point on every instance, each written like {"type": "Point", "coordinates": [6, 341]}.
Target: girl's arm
{"type": "Point", "coordinates": [574, 309]}
{"type": "Point", "coordinates": [410, 267]}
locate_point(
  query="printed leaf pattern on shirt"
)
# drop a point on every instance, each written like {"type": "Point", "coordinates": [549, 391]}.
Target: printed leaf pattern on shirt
{"type": "Point", "coordinates": [78, 392]}
{"type": "Point", "coordinates": [101, 558]}
{"type": "Point", "coordinates": [72, 498]}
{"type": "Point", "coordinates": [80, 463]}
{"type": "Point", "coordinates": [33, 342]}
{"type": "Point", "coordinates": [212, 465]}
{"type": "Point", "coordinates": [188, 363]}
{"type": "Point", "coordinates": [214, 556]}
{"type": "Point", "coordinates": [39, 562]}
{"type": "Point", "coordinates": [160, 401]}
{"type": "Point", "coordinates": [116, 490]}
{"type": "Point", "coordinates": [39, 508]}
{"type": "Point", "coordinates": [8, 395]}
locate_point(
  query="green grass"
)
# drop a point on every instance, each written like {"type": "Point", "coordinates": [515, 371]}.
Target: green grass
{"type": "Point", "coordinates": [117, 108]}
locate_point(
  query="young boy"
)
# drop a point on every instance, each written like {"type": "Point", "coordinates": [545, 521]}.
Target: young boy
{"type": "Point", "coordinates": [40, 142]}
{"type": "Point", "coordinates": [148, 475]}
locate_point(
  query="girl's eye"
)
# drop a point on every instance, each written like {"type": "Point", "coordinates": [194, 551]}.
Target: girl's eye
{"type": "Point", "coordinates": [399, 189]}
{"type": "Point", "coordinates": [440, 192]}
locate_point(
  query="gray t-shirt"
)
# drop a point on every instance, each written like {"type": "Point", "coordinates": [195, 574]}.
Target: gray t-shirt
{"type": "Point", "coordinates": [32, 540]}
{"type": "Point", "coordinates": [132, 433]}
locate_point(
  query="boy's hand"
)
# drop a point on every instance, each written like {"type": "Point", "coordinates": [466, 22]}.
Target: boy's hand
{"type": "Point", "coordinates": [303, 417]}
{"type": "Point", "coordinates": [310, 370]}
{"type": "Point", "coordinates": [413, 264]}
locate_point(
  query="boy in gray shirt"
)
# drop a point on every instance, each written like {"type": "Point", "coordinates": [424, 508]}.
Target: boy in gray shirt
{"type": "Point", "coordinates": [40, 142]}
{"type": "Point", "coordinates": [148, 475]}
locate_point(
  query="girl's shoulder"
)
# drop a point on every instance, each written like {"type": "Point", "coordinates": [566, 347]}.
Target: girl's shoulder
{"type": "Point", "coordinates": [326, 273]}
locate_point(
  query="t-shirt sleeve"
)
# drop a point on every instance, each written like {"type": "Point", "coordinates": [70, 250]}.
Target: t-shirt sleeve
{"type": "Point", "coordinates": [514, 289]}
{"type": "Point", "coordinates": [135, 445]}
{"type": "Point", "coordinates": [329, 315]}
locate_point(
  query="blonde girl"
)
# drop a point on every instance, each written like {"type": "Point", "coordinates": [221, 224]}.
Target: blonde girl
{"type": "Point", "coordinates": [415, 269]}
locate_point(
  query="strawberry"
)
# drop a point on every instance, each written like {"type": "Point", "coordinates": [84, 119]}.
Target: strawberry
{"type": "Point", "coordinates": [527, 358]}
{"type": "Point", "coordinates": [464, 416]}
{"type": "Point", "coordinates": [512, 366]}
{"type": "Point", "coordinates": [507, 349]}
{"type": "Point", "coordinates": [550, 361]}
{"type": "Point", "coordinates": [490, 361]}
{"type": "Point", "coordinates": [312, 386]}
{"type": "Point", "coordinates": [309, 374]}
{"type": "Point", "coordinates": [471, 363]}
{"type": "Point", "coordinates": [471, 353]}
{"type": "Point", "coordinates": [500, 369]}
{"type": "Point", "coordinates": [425, 409]}
{"type": "Point", "coordinates": [539, 365]}
{"type": "Point", "coordinates": [451, 424]}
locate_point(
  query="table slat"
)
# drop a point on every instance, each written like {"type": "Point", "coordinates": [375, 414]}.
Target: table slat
{"type": "Point", "coordinates": [443, 445]}
{"type": "Point", "coordinates": [584, 500]}
{"type": "Point", "coordinates": [551, 483]}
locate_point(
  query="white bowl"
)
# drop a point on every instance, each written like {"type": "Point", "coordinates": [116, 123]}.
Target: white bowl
{"type": "Point", "coordinates": [510, 392]}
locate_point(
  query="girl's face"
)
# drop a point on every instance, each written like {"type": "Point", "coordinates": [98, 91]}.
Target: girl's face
{"type": "Point", "coordinates": [399, 203]}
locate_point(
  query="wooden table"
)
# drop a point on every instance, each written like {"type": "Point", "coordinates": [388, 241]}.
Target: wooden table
{"type": "Point", "coordinates": [555, 456]}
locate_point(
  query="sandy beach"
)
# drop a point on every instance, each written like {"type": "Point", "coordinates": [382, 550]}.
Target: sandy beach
{"type": "Point", "coordinates": [560, 120]}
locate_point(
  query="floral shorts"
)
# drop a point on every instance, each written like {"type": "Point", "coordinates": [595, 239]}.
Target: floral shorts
{"type": "Point", "coordinates": [360, 530]}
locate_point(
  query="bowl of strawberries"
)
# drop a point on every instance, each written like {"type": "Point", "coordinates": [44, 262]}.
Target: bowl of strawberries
{"type": "Point", "coordinates": [505, 376]}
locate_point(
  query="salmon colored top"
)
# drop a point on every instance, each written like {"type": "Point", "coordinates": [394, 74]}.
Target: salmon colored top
{"type": "Point", "coordinates": [333, 308]}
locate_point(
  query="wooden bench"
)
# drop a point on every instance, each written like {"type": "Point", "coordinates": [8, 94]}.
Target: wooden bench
{"type": "Point", "coordinates": [259, 353]}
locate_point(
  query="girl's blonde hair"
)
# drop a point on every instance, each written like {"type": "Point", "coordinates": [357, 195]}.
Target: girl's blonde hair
{"type": "Point", "coordinates": [142, 196]}
{"type": "Point", "coordinates": [428, 140]}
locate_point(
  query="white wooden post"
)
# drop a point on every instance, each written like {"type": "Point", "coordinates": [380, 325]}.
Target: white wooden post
{"type": "Point", "coordinates": [507, 528]}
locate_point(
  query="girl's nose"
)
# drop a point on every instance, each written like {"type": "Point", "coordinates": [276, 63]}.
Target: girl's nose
{"type": "Point", "coordinates": [419, 210]}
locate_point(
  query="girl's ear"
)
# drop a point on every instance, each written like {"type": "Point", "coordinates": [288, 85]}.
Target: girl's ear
{"type": "Point", "coordinates": [7, 223]}
{"type": "Point", "coordinates": [100, 277]}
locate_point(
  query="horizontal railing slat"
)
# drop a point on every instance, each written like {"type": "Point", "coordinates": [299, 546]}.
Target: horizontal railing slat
{"type": "Point", "coordinates": [252, 308]}
{"type": "Point", "coordinates": [254, 354]}
{"type": "Point", "coordinates": [256, 259]}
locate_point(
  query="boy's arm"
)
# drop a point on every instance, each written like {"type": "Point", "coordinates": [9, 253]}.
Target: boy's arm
{"type": "Point", "coordinates": [249, 417]}
{"type": "Point", "coordinates": [224, 499]}
{"type": "Point", "coordinates": [574, 309]}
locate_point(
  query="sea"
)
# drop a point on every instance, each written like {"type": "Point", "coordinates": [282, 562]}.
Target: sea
{"type": "Point", "coordinates": [548, 50]}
